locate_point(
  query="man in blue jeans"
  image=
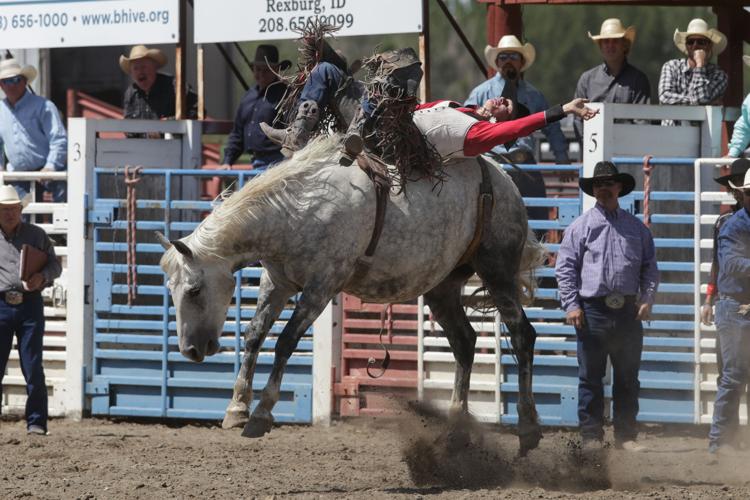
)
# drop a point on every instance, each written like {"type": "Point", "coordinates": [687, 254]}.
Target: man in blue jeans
{"type": "Point", "coordinates": [732, 321]}
{"type": "Point", "coordinates": [21, 306]}
{"type": "Point", "coordinates": [607, 277]}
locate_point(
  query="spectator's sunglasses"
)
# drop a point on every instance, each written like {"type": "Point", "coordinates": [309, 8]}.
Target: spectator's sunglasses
{"type": "Point", "coordinates": [606, 183]}
{"type": "Point", "coordinates": [506, 56]}
{"type": "Point", "coordinates": [700, 42]}
{"type": "Point", "coordinates": [13, 80]}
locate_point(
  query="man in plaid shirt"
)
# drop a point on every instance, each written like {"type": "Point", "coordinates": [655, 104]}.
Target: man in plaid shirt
{"type": "Point", "coordinates": [693, 80]}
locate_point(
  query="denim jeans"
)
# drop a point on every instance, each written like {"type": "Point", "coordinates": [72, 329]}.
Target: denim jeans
{"type": "Point", "coordinates": [58, 189]}
{"type": "Point", "coordinates": [322, 84]}
{"type": "Point", "coordinates": [266, 161]}
{"type": "Point", "coordinates": [734, 340]}
{"type": "Point", "coordinates": [26, 322]}
{"type": "Point", "coordinates": [618, 335]}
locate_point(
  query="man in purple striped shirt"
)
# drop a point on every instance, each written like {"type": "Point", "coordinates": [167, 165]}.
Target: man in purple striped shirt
{"type": "Point", "coordinates": [607, 277]}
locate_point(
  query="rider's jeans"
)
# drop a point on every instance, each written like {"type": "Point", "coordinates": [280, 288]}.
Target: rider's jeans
{"type": "Point", "coordinates": [323, 82]}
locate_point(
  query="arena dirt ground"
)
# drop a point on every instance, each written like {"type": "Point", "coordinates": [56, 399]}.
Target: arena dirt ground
{"type": "Point", "coordinates": [409, 456]}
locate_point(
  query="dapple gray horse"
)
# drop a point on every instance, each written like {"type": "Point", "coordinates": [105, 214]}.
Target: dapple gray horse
{"type": "Point", "coordinates": [308, 221]}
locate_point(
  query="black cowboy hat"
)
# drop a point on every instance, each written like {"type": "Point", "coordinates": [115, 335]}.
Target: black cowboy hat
{"type": "Point", "coordinates": [736, 172]}
{"type": "Point", "coordinates": [269, 55]}
{"type": "Point", "coordinates": [606, 171]}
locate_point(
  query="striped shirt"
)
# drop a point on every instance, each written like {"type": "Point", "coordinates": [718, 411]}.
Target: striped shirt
{"type": "Point", "coordinates": [604, 252]}
{"type": "Point", "coordinates": [681, 84]}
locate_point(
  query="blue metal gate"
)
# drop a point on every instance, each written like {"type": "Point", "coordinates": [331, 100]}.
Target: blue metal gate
{"type": "Point", "coordinates": [136, 368]}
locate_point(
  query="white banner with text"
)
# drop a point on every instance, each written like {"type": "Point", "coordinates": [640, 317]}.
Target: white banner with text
{"type": "Point", "coordinates": [245, 20]}
{"type": "Point", "coordinates": [36, 24]}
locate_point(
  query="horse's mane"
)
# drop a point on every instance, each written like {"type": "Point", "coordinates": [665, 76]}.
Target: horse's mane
{"type": "Point", "coordinates": [235, 211]}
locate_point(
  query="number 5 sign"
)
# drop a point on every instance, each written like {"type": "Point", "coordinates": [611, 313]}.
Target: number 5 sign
{"type": "Point", "coordinates": [240, 20]}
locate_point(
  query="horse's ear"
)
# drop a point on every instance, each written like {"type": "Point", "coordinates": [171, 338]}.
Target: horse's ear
{"type": "Point", "coordinates": [163, 241]}
{"type": "Point", "coordinates": [182, 248]}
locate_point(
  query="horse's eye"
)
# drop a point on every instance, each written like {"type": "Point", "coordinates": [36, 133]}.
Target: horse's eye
{"type": "Point", "coordinates": [193, 291]}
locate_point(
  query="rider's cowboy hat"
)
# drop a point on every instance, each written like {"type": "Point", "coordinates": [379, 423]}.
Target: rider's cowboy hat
{"type": "Point", "coordinates": [142, 52]}
{"type": "Point", "coordinates": [9, 196]}
{"type": "Point", "coordinates": [509, 43]}
{"type": "Point", "coordinates": [737, 170]}
{"type": "Point", "coordinates": [607, 171]}
{"type": "Point", "coordinates": [699, 27]}
{"type": "Point", "coordinates": [613, 28]}
{"type": "Point", "coordinates": [745, 184]}
{"type": "Point", "coordinates": [10, 68]}
{"type": "Point", "coordinates": [268, 55]}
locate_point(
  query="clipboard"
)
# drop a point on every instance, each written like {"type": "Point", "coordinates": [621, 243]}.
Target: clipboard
{"type": "Point", "coordinates": [33, 261]}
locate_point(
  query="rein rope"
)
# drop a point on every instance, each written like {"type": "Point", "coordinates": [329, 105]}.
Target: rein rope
{"type": "Point", "coordinates": [647, 168]}
{"type": "Point", "coordinates": [132, 177]}
{"type": "Point", "coordinates": [386, 313]}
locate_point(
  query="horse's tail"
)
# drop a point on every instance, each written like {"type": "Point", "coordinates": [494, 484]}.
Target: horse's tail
{"type": "Point", "coordinates": [534, 255]}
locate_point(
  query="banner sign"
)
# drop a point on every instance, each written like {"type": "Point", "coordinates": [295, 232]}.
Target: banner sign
{"type": "Point", "coordinates": [35, 24]}
{"type": "Point", "coordinates": [243, 20]}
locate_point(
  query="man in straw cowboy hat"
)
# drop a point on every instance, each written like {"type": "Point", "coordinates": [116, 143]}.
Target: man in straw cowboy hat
{"type": "Point", "coordinates": [615, 80]}
{"type": "Point", "coordinates": [32, 134]}
{"type": "Point", "coordinates": [694, 80]}
{"type": "Point", "coordinates": [741, 134]}
{"type": "Point", "coordinates": [732, 321]}
{"type": "Point", "coordinates": [152, 95]}
{"type": "Point", "coordinates": [607, 276]}
{"type": "Point", "coordinates": [21, 304]}
{"type": "Point", "coordinates": [258, 106]}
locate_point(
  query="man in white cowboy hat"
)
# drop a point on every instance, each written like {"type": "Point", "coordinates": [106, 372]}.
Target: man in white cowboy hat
{"type": "Point", "coordinates": [694, 80]}
{"type": "Point", "coordinates": [152, 95]}
{"type": "Point", "coordinates": [21, 304]}
{"type": "Point", "coordinates": [615, 80]}
{"type": "Point", "coordinates": [258, 106]}
{"type": "Point", "coordinates": [510, 58]}
{"type": "Point", "coordinates": [741, 134]}
{"type": "Point", "coordinates": [607, 276]}
{"type": "Point", "coordinates": [732, 321]}
{"type": "Point", "coordinates": [32, 135]}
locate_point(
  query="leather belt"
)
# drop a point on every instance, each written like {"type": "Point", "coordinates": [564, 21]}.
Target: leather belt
{"type": "Point", "coordinates": [13, 297]}
{"type": "Point", "coordinates": [614, 300]}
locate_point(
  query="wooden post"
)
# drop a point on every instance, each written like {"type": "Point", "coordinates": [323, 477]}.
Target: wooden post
{"type": "Point", "coordinates": [180, 60]}
{"type": "Point", "coordinates": [424, 52]}
{"type": "Point", "coordinates": [502, 20]}
{"type": "Point", "coordinates": [201, 84]}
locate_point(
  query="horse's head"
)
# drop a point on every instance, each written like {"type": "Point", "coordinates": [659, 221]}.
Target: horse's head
{"type": "Point", "coordinates": [202, 289]}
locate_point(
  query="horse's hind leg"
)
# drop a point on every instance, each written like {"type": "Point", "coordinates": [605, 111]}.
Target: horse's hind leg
{"type": "Point", "coordinates": [498, 271]}
{"type": "Point", "coordinates": [445, 303]}
{"type": "Point", "coordinates": [271, 300]}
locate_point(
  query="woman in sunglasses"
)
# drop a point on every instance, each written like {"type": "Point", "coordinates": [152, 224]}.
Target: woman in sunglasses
{"type": "Point", "coordinates": [693, 80]}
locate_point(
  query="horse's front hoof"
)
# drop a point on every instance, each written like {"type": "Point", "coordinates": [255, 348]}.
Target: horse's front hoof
{"type": "Point", "coordinates": [529, 440]}
{"type": "Point", "coordinates": [234, 419]}
{"type": "Point", "coordinates": [256, 427]}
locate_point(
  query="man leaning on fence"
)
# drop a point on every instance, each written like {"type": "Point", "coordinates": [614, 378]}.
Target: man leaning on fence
{"type": "Point", "coordinates": [732, 322]}
{"type": "Point", "coordinates": [607, 276]}
{"type": "Point", "coordinates": [32, 134]}
{"type": "Point", "coordinates": [21, 305]}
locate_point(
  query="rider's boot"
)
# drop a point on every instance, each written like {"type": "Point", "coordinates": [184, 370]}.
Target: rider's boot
{"type": "Point", "coordinates": [295, 137]}
{"type": "Point", "coordinates": [353, 143]}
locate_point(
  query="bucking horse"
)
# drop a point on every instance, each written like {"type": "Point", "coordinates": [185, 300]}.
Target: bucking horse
{"type": "Point", "coordinates": [310, 221]}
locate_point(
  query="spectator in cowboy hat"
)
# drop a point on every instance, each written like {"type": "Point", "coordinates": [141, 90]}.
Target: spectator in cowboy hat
{"type": "Point", "coordinates": [259, 106]}
{"type": "Point", "coordinates": [615, 80]}
{"type": "Point", "coordinates": [32, 135]}
{"type": "Point", "coordinates": [152, 95]}
{"type": "Point", "coordinates": [510, 58]}
{"type": "Point", "coordinates": [732, 321]}
{"type": "Point", "coordinates": [21, 304]}
{"type": "Point", "coordinates": [694, 80]}
{"type": "Point", "coordinates": [741, 133]}
{"type": "Point", "coordinates": [607, 276]}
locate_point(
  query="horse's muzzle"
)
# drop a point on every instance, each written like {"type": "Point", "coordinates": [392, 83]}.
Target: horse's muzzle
{"type": "Point", "coordinates": [194, 353]}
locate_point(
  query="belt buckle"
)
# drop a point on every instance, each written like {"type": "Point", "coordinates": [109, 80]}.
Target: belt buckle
{"type": "Point", "coordinates": [13, 297]}
{"type": "Point", "coordinates": [615, 300]}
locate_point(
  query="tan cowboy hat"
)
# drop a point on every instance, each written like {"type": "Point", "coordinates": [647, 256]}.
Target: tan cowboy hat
{"type": "Point", "coordinates": [745, 184]}
{"type": "Point", "coordinates": [10, 68]}
{"type": "Point", "coordinates": [140, 52]}
{"type": "Point", "coordinates": [9, 196]}
{"type": "Point", "coordinates": [509, 43]}
{"type": "Point", "coordinates": [613, 28]}
{"type": "Point", "coordinates": [699, 27]}
{"type": "Point", "coordinates": [746, 60]}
